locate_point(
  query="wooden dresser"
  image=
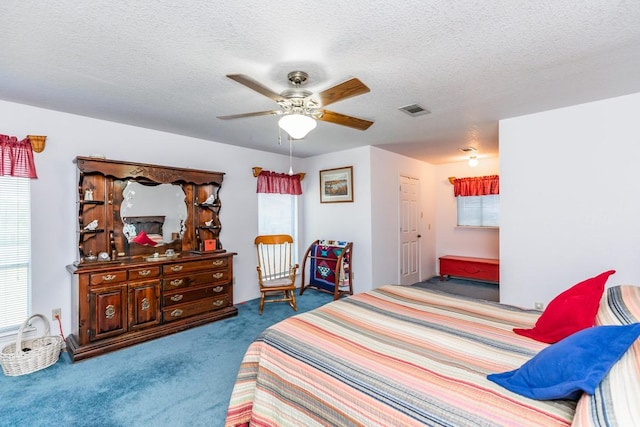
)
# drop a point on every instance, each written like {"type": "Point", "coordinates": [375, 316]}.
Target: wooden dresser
{"type": "Point", "coordinates": [131, 302]}
{"type": "Point", "coordinates": [150, 260]}
{"type": "Point", "coordinates": [484, 269]}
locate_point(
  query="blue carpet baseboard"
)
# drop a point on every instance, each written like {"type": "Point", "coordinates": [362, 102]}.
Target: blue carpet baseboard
{"type": "Point", "coordinates": [469, 288]}
{"type": "Point", "coordinates": [184, 379]}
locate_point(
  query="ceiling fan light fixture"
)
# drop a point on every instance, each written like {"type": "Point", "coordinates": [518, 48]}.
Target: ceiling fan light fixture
{"type": "Point", "coordinates": [297, 125]}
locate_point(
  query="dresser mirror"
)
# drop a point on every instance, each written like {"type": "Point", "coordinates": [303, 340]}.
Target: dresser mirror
{"type": "Point", "coordinates": [160, 211]}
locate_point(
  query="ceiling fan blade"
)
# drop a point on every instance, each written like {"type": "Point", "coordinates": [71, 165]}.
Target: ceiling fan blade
{"type": "Point", "coordinates": [341, 119]}
{"type": "Point", "coordinates": [344, 90]}
{"type": "Point", "coordinates": [257, 113]}
{"type": "Point", "coordinates": [258, 87]}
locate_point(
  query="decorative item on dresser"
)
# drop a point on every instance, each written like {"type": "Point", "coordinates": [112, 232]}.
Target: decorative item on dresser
{"type": "Point", "coordinates": [153, 276]}
{"type": "Point", "coordinates": [485, 269]}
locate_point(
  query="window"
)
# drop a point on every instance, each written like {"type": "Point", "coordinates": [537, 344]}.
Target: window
{"type": "Point", "coordinates": [278, 214]}
{"type": "Point", "coordinates": [15, 251]}
{"type": "Point", "coordinates": [479, 211]}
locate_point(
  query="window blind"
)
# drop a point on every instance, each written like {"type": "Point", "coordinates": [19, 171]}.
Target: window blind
{"type": "Point", "coordinates": [479, 211]}
{"type": "Point", "coordinates": [15, 251]}
{"type": "Point", "coordinates": [278, 214]}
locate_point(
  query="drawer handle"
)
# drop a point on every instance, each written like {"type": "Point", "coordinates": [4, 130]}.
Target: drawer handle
{"type": "Point", "coordinates": [110, 311]}
{"type": "Point", "coordinates": [177, 297]}
{"type": "Point", "coordinates": [176, 313]}
{"type": "Point", "coordinates": [218, 302]}
{"type": "Point", "coordinates": [218, 289]}
{"type": "Point", "coordinates": [145, 304]}
{"type": "Point", "coordinates": [176, 282]}
{"type": "Point", "coordinates": [108, 277]}
{"type": "Point", "coordinates": [144, 272]}
{"type": "Point", "coordinates": [177, 267]}
{"type": "Point", "coordinates": [218, 275]}
{"type": "Point", "coordinates": [218, 262]}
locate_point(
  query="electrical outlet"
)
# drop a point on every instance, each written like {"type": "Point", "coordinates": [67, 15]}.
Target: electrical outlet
{"type": "Point", "coordinates": [56, 313]}
{"type": "Point", "coordinates": [539, 305]}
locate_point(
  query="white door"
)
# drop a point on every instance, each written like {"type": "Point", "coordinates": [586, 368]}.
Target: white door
{"type": "Point", "coordinates": [409, 235]}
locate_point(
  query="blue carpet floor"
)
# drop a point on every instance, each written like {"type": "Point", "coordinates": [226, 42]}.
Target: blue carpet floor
{"type": "Point", "coordinates": [183, 379]}
{"type": "Point", "coordinates": [469, 288]}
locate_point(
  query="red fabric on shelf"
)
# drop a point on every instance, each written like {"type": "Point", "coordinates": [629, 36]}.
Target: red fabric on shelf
{"type": "Point", "coordinates": [281, 183]}
{"type": "Point", "coordinates": [16, 157]}
{"type": "Point", "coordinates": [476, 186]}
{"type": "Point", "coordinates": [143, 239]}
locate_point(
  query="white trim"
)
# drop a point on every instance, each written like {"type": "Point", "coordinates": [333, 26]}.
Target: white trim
{"type": "Point", "coordinates": [476, 227]}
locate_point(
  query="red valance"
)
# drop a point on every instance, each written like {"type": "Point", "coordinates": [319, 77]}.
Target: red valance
{"type": "Point", "coordinates": [282, 183]}
{"type": "Point", "coordinates": [476, 186]}
{"type": "Point", "coordinates": [16, 157]}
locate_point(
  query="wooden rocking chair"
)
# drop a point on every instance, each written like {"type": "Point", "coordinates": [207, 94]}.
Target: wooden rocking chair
{"type": "Point", "coordinates": [276, 271]}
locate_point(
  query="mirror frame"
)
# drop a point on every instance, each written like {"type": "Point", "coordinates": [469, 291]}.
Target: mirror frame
{"type": "Point", "coordinates": [197, 185]}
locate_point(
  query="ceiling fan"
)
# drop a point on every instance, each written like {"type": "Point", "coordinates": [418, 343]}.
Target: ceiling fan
{"type": "Point", "coordinates": [298, 104]}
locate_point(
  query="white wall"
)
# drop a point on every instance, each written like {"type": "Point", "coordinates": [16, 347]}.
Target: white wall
{"type": "Point", "coordinates": [54, 211]}
{"type": "Point", "coordinates": [341, 221]}
{"type": "Point", "coordinates": [584, 222]}
{"type": "Point", "coordinates": [371, 221]}
{"type": "Point", "coordinates": [569, 187]}
{"type": "Point", "coordinates": [386, 169]}
{"type": "Point", "coordinates": [475, 242]}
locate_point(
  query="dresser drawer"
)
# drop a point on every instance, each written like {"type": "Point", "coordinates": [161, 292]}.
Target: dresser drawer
{"type": "Point", "coordinates": [144, 273]}
{"type": "Point", "coordinates": [188, 295]}
{"type": "Point", "coordinates": [209, 277]}
{"type": "Point", "coordinates": [180, 311]}
{"type": "Point", "coordinates": [187, 267]}
{"type": "Point", "coordinates": [106, 278]}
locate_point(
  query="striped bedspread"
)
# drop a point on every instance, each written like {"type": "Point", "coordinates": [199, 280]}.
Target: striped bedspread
{"type": "Point", "coordinates": [394, 356]}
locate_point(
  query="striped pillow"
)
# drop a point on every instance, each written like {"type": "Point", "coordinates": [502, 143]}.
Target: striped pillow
{"type": "Point", "coordinates": [620, 305]}
{"type": "Point", "coordinates": [615, 401]}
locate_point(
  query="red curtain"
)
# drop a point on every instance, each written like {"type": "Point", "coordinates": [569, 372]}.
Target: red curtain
{"type": "Point", "coordinates": [17, 157]}
{"type": "Point", "coordinates": [476, 186]}
{"type": "Point", "coordinates": [282, 183]}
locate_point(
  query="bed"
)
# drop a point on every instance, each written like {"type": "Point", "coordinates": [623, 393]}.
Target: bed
{"type": "Point", "coordinates": [406, 356]}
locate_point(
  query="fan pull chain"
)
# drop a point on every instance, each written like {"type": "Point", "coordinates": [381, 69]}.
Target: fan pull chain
{"type": "Point", "coordinates": [290, 157]}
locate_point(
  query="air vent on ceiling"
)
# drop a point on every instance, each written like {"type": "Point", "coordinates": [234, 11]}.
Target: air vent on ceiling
{"type": "Point", "coordinates": [414, 110]}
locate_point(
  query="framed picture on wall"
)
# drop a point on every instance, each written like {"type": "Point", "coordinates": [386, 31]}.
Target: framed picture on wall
{"type": "Point", "coordinates": [336, 185]}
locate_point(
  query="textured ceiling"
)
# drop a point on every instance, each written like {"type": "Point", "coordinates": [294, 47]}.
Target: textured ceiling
{"type": "Point", "coordinates": [162, 65]}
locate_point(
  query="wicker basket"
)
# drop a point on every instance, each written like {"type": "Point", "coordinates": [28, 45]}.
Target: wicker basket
{"type": "Point", "coordinates": [31, 355]}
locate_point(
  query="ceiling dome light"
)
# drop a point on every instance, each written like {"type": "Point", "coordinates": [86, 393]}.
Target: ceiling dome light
{"type": "Point", "coordinates": [473, 161]}
{"type": "Point", "coordinates": [297, 125]}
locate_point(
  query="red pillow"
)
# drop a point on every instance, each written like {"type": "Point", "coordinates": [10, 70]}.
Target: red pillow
{"type": "Point", "coordinates": [571, 311]}
{"type": "Point", "coordinates": [143, 239]}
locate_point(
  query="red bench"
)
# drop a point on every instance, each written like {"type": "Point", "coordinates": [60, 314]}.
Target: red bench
{"type": "Point", "coordinates": [485, 269]}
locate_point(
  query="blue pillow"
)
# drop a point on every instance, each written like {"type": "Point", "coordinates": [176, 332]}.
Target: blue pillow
{"type": "Point", "coordinates": [571, 366]}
